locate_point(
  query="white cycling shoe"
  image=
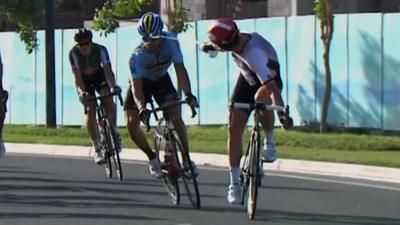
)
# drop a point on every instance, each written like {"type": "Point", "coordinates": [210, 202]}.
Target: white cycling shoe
{"type": "Point", "coordinates": [155, 168]}
{"type": "Point", "coordinates": [234, 195]}
{"type": "Point", "coordinates": [99, 158]}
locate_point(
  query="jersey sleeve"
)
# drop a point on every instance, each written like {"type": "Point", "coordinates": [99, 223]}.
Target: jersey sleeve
{"type": "Point", "coordinates": [177, 56]}
{"type": "Point", "coordinates": [136, 67]}
{"type": "Point", "coordinates": [104, 58]}
{"type": "Point", "coordinates": [73, 59]}
{"type": "Point", "coordinates": [258, 63]}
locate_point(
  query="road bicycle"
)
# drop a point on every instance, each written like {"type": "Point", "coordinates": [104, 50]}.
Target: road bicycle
{"type": "Point", "coordinates": [108, 137]}
{"type": "Point", "coordinates": [166, 140]}
{"type": "Point", "coordinates": [252, 164]}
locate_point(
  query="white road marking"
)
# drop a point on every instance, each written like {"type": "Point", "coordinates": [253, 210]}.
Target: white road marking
{"type": "Point", "coordinates": [326, 180]}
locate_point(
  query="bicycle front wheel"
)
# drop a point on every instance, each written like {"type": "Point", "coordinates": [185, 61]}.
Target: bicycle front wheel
{"type": "Point", "coordinates": [254, 178]}
{"type": "Point", "coordinates": [170, 182]}
{"type": "Point", "coordinates": [188, 176]}
{"type": "Point", "coordinates": [112, 149]}
{"type": "Point", "coordinates": [103, 137]}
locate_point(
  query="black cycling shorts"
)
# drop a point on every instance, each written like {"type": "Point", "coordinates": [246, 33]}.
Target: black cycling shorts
{"type": "Point", "coordinates": [244, 92]}
{"type": "Point", "coordinates": [162, 90]}
{"type": "Point", "coordinates": [95, 82]}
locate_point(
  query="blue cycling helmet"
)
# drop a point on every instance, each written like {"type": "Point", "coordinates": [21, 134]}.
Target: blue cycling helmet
{"type": "Point", "coordinates": [150, 25]}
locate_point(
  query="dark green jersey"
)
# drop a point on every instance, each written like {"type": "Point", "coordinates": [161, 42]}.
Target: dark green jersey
{"type": "Point", "coordinates": [90, 63]}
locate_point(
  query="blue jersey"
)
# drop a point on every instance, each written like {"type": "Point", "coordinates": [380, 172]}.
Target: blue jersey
{"type": "Point", "coordinates": [153, 66]}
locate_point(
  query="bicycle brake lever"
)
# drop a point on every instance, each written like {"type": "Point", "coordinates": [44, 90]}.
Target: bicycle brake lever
{"type": "Point", "coordinates": [120, 99]}
{"type": "Point", "coordinates": [194, 112]}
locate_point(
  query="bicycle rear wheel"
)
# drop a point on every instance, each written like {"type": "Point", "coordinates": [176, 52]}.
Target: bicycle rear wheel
{"type": "Point", "coordinates": [170, 182]}
{"type": "Point", "coordinates": [254, 178]}
{"type": "Point", "coordinates": [188, 177]}
{"type": "Point", "coordinates": [112, 150]}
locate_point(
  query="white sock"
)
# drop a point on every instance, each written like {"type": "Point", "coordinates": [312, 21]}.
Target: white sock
{"type": "Point", "coordinates": [234, 175]}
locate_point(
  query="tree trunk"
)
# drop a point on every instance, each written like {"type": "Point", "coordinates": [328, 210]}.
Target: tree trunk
{"type": "Point", "coordinates": [327, 33]}
{"type": "Point", "coordinates": [328, 85]}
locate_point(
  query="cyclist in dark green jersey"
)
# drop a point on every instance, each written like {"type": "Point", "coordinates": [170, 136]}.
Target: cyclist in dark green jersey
{"type": "Point", "coordinates": [92, 72]}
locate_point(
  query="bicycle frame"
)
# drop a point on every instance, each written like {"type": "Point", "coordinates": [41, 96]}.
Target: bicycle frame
{"type": "Point", "coordinates": [170, 139]}
{"type": "Point", "coordinates": [250, 176]}
{"type": "Point", "coordinates": [107, 135]}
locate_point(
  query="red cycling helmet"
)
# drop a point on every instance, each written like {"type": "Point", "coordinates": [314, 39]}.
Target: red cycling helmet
{"type": "Point", "coordinates": [223, 31]}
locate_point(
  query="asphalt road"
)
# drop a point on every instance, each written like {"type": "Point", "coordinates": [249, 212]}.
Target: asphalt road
{"type": "Point", "coordinates": [48, 190]}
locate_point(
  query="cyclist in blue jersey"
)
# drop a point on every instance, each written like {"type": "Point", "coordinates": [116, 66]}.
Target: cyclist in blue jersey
{"type": "Point", "coordinates": [149, 77]}
{"type": "Point", "coordinates": [259, 81]}
{"type": "Point", "coordinates": [3, 109]}
{"type": "Point", "coordinates": [92, 72]}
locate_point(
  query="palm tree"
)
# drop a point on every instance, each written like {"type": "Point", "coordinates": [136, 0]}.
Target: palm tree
{"type": "Point", "coordinates": [324, 12]}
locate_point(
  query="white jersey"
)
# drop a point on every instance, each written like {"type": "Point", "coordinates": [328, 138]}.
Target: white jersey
{"type": "Point", "coordinates": [254, 58]}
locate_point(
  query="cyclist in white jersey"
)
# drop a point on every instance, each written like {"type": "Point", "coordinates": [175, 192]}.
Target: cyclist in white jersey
{"type": "Point", "coordinates": [149, 77]}
{"type": "Point", "coordinates": [3, 109]}
{"type": "Point", "coordinates": [259, 81]}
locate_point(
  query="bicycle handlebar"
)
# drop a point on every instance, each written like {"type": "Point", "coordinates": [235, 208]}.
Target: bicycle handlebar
{"type": "Point", "coordinates": [106, 96]}
{"type": "Point", "coordinates": [164, 107]}
{"type": "Point", "coordinates": [260, 105]}
{"type": "Point", "coordinates": [94, 98]}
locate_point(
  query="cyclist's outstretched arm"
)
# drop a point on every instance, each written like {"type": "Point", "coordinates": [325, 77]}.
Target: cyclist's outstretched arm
{"type": "Point", "coordinates": [106, 63]}
{"type": "Point", "coordinates": [110, 78]}
{"type": "Point", "coordinates": [184, 84]}
{"type": "Point", "coordinates": [79, 84]}
{"type": "Point", "coordinates": [137, 92]}
{"type": "Point", "coordinates": [183, 77]}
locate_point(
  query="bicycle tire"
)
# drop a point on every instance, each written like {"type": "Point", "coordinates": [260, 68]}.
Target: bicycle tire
{"type": "Point", "coordinates": [187, 174]}
{"type": "Point", "coordinates": [108, 167]}
{"type": "Point", "coordinates": [170, 183]}
{"type": "Point", "coordinates": [112, 150]}
{"type": "Point", "coordinates": [254, 176]}
{"type": "Point", "coordinates": [244, 174]}
{"type": "Point", "coordinates": [103, 136]}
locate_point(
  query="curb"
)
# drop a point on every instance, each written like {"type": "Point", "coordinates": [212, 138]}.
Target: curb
{"type": "Point", "coordinates": [374, 173]}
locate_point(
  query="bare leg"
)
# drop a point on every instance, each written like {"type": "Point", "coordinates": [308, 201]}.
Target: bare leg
{"type": "Point", "coordinates": [137, 135]}
{"type": "Point", "coordinates": [237, 124]}
{"type": "Point", "coordinates": [91, 124]}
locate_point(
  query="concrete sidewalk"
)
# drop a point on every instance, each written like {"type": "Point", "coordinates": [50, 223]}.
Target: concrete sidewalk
{"type": "Point", "coordinates": [284, 165]}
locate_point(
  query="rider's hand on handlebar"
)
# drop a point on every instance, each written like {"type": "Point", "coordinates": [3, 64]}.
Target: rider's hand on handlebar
{"type": "Point", "coordinates": [84, 97]}
{"type": "Point", "coordinates": [286, 121]}
{"type": "Point", "coordinates": [191, 100]}
{"type": "Point", "coordinates": [116, 89]}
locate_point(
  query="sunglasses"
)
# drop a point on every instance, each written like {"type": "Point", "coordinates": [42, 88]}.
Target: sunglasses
{"type": "Point", "coordinates": [84, 43]}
